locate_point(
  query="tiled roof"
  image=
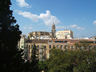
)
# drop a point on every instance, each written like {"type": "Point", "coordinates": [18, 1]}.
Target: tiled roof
{"type": "Point", "coordinates": [37, 41]}
{"type": "Point", "coordinates": [54, 40]}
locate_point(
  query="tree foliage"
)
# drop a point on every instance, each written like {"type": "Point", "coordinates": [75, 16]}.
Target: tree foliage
{"type": "Point", "coordinates": [72, 61]}
{"type": "Point", "coordinates": [34, 59]}
{"type": "Point", "coordinates": [10, 57]}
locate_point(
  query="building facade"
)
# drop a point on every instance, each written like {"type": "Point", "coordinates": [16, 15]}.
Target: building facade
{"type": "Point", "coordinates": [45, 41]}
{"type": "Point", "coordinates": [66, 34]}
{"type": "Point", "coordinates": [22, 45]}
{"type": "Point", "coordinates": [22, 42]}
{"type": "Point", "coordinates": [39, 35]}
{"type": "Point", "coordinates": [44, 46]}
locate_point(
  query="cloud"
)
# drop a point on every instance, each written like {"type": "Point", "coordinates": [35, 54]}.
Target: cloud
{"type": "Point", "coordinates": [70, 26]}
{"type": "Point", "coordinates": [22, 3]}
{"type": "Point", "coordinates": [47, 18]}
{"type": "Point", "coordinates": [29, 15]}
{"type": "Point", "coordinates": [27, 27]}
{"type": "Point", "coordinates": [60, 27]}
{"type": "Point", "coordinates": [76, 27]}
{"type": "Point", "coordinates": [94, 22]}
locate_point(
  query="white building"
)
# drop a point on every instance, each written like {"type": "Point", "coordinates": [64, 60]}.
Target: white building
{"type": "Point", "coordinates": [22, 45]}
{"type": "Point", "coordinates": [66, 34]}
{"type": "Point", "coordinates": [22, 42]}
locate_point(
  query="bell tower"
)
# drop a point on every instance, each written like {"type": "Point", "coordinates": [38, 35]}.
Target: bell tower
{"type": "Point", "coordinates": [53, 31]}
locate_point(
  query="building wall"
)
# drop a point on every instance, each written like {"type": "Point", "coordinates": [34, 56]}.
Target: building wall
{"type": "Point", "coordinates": [22, 45]}
{"type": "Point", "coordinates": [66, 34]}
{"type": "Point", "coordinates": [44, 47]}
{"type": "Point", "coordinates": [42, 50]}
{"type": "Point", "coordinates": [22, 42]}
{"type": "Point", "coordinates": [39, 35]}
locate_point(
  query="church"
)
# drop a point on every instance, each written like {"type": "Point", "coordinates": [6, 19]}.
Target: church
{"type": "Point", "coordinates": [65, 34]}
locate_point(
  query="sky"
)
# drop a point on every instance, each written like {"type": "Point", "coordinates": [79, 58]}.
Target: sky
{"type": "Point", "coordinates": [39, 15]}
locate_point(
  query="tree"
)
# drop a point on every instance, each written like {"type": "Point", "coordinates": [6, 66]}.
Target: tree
{"type": "Point", "coordinates": [34, 59]}
{"type": "Point", "coordinates": [59, 61]}
{"type": "Point", "coordinates": [43, 66]}
{"type": "Point", "coordinates": [10, 57]}
{"type": "Point", "coordinates": [83, 45]}
{"type": "Point", "coordinates": [72, 61]}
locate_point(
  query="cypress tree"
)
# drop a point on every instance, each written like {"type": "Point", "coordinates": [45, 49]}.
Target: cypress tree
{"type": "Point", "coordinates": [10, 57]}
{"type": "Point", "coordinates": [34, 59]}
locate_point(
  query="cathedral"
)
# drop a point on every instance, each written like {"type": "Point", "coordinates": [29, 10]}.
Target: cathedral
{"type": "Point", "coordinates": [43, 34]}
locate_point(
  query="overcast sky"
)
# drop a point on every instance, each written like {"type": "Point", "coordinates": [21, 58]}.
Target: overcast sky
{"type": "Point", "coordinates": [38, 15]}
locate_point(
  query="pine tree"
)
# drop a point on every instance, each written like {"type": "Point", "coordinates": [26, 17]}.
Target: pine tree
{"type": "Point", "coordinates": [10, 57]}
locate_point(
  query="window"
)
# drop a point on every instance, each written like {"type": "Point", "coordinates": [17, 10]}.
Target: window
{"type": "Point", "coordinates": [50, 46]}
{"type": "Point", "coordinates": [44, 46]}
{"type": "Point", "coordinates": [57, 46]}
{"type": "Point", "coordinates": [53, 46]}
{"type": "Point", "coordinates": [37, 46]}
{"type": "Point", "coordinates": [22, 46]}
{"type": "Point", "coordinates": [65, 47]}
{"type": "Point", "coordinates": [29, 46]}
{"type": "Point", "coordinates": [61, 47]}
{"type": "Point", "coordinates": [60, 41]}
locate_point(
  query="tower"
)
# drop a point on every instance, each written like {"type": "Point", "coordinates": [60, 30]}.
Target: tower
{"type": "Point", "coordinates": [53, 31]}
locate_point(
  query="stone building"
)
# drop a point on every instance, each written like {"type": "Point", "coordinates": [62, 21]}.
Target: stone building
{"type": "Point", "coordinates": [44, 46]}
{"type": "Point", "coordinates": [45, 41]}
{"type": "Point", "coordinates": [39, 35]}
{"type": "Point", "coordinates": [66, 34]}
{"type": "Point", "coordinates": [53, 32]}
{"type": "Point", "coordinates": [43, 34]}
